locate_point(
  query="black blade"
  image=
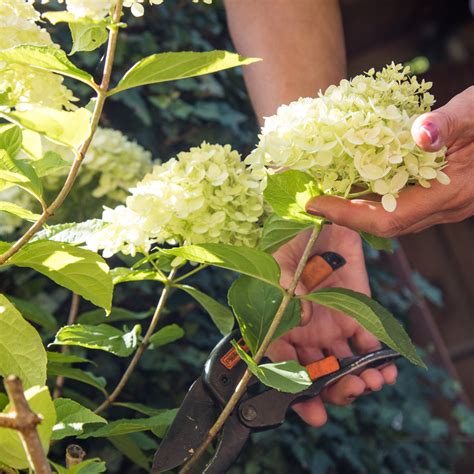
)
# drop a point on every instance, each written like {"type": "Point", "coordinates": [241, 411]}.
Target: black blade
{"type": "Point", "coordinates": [188, 430]}
{"type": "Point", "coordinates": [233, 438]}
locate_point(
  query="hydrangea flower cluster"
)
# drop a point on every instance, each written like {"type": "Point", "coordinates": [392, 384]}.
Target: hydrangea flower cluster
{"type": "Point", "coordinates": [112, 165]}
{"type": "Point", "coordinates": [355, 135]}
{"type": "Point", "coordinates": [204, 195]}
{"type": "Point", "coordinates": [98, 9]}
{"type": "Point", "coordinates": [22, 85]}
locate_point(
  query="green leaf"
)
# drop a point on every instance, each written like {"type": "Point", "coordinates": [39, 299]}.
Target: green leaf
{"type": "Point", "coordinates": [72, 233]}
{"type": "Point", "coordinates": [288, 192]}
{"type": "Point", "coordinates": [278, 231]}
{"type": "Point", "coordinates": [220, 314]}
{"type": "Point", "coordinates": [46, 58]}
{"type": "Point", "coordinates": [20, 173]}
{"type": "Point", "coordinates": [67, 128]}
{"type": "Point", "coordinates": [288, 376]}
{"type": "Point", "coordinates": [98, 316]}
{"type": "Point", "coordinates": [126, 426]}
{"type": "Point", "coordinates": [255, 304]}
{"type": "Point", "coordinates": [123, 274]}
{"type": "Point", "coordinates": [165, 335]}
{"type": "Point", "coordinates": [61, 358]}
{"type": "Point", "coordinates": [140, 408]}
{"type": "Point", "coordinates": [18, 211]}
{"type": "Point", "coordinates": [90, 466]}
{"type": "Point", "coordinates": [87, 37]}
{"type": "Point", "coordinates": [77, 374]}
{"type": "Point", "coordinates": [21, 348]}
{"type": "Point", "coordinates": [71, 418]}
{"type": "Point", "coordinates": [34, 313]}
{"type": "Point", "coordinates": [130, 448]}
{"type": "Point", "coordinates": [378, 243]}
{"type": "Point", "coordinates": [80, 270]}
{"type": "Point", "coordinates": [49, 164]}
{"type": "Point", "coordinates": [12, 452]}
{"type": "Point", "coordinates": [11, 138]}
{"type": "Point", "coordinates": [102, 337]}
{"type": "Point", "coordinates": [165, 67]}
{"type": "Point", "coordinates": [371, 316]}
{"type": "Point", "coordinates": [244, 260]}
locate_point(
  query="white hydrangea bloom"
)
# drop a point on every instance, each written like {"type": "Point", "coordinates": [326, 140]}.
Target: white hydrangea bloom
{"type": "Point", "coordinates": [117, 161]}
{"type": "Point", "coordinates": [202, 196]}
{"type": "Point", "coordinates": [22, 85]}
{"type": "Point", "coordinates": [98, 9]}
{"type": "Point", "coordinates": [356, 134]}
{"type": "Point", "coordinates": [94, 9]}
{"type": "Point", "coordinates": [112, 165]}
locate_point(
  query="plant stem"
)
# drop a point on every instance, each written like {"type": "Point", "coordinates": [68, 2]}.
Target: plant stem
{"type": "Point", "coordinates": [143, 346]}
{"type": "Point", "coordinates": [73, 311]}
{"type": "Point", "coordinates": [359, 194]}
{"type": "Point", "coordinates": [80, 153]}
{"type": "Point", "coordinates": [192, 272]}
{"type": "Point", "coordinates": [242, 385]}
{"type": "Point", "coordinates": [25, 421]}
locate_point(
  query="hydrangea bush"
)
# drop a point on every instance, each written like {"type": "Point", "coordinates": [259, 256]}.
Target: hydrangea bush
{"type": "Point", "coordinates": [204, 207]}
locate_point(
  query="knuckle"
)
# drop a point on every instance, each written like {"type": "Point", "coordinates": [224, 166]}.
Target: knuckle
{"type": "Point", "coordinates": [389, 227]}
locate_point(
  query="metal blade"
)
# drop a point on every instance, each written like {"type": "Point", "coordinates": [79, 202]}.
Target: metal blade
{"type": "Point", "coordinates": [188, 430]}
{"type": "Point", "coordinates": [233, 438]}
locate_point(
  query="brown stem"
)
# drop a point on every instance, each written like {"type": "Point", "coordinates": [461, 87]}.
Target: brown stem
{"type": "Point", "coordinates": [82, 150]}
{"type": "Point", "coordinates": [242, 385]}
{"type": "Point", "coordinates": [143, 346]}
{"type": "Point", "coordinates": [74, 455]}
{"type": "Point", "coordinates": [25, 421]}
{"type": "Point", "coordinates": [73, 311]}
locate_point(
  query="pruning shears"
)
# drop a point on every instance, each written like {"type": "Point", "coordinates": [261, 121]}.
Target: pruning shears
{"type": "Point", "coordinates": [261, 408]}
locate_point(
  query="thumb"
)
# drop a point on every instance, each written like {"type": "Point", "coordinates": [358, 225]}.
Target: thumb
{"type": "Point", "coordinates": [447, 125]}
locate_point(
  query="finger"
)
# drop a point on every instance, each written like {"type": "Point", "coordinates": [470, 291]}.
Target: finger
{"type": "Point", "coordinates": [373, 379]}
{"type": "Point", "coordinates": [390, 374]}
{"type": "Point", "coordinates": [413, 204]}
{"type": "Point", "coordinates": [447, 126]}
{"type": "Point", "coordinates": [281, 350]}
{"type": "Point", "coordinates": [345, 391]}
{"type": "Point", "coordinates": [312, 412]}
{"type": "Point", "coordinates": [363, 341]}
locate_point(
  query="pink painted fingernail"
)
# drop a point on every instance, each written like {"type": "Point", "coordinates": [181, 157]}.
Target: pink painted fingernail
{"type": "Point", "coordinates": [431, 131]}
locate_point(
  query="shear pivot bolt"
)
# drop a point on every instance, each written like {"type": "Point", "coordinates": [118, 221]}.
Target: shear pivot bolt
{"type": "Point", "coordinates": [249, 413]}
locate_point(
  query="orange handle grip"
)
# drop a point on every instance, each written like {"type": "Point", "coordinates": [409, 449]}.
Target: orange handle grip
{"type": "Point", "coordinates": [315, 272]}
{"type": "Point", "coordinates": [323, 367]}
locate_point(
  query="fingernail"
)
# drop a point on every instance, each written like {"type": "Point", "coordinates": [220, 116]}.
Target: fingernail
{"type": "Point", "coordinates": [431, 131]}
{"type": "Point", "coordinates": [313, 210]}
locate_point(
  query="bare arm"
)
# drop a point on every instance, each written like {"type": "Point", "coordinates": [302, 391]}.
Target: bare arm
{"type": "Point", "coordinates": [301, 43]}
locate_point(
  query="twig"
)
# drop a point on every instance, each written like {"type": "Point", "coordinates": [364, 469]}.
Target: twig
{"type": "Point", "coordinates": [143, 346]}
{"type": "Point", "coordinates": [73, 311]}
{"type": "Point", "coordinates": [192, 272]}
{"type": "Point", "coordinates": [82, 150]}
{"type": "Point", "coordinates": [25, 421]}
{"type": "Point", "coordinates": [242, 385]}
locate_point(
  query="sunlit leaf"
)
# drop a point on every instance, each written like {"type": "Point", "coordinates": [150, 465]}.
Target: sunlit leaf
{"type": "Point", "coordinates": [165, 67]}
{"type": "Point", "coordinates": [101, 337]}
{"type": "Point", "coordinates": [22, 351]}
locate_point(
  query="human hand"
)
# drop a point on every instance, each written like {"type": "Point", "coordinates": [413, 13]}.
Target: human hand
{"type": "Point", "coordinates": [418, 208]}
{"type": "Point", "coordinates": [323, 331]}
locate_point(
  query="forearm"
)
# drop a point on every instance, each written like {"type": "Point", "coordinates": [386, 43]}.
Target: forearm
{"type": "Point", "coordinates": [301, 43]}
